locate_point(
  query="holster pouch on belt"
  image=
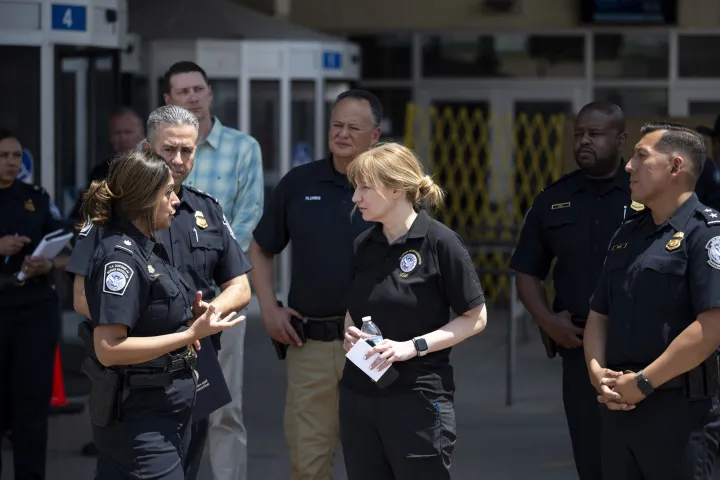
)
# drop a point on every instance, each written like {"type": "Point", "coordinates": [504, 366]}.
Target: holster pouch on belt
{"type": "Point", "coordinates": [281, 348]}
{"type": "Point", "coordinates": [104, 396]}
{"type": "Point", "coordinates": [297, 325]}
{"type": "Point", "coordinates": [703, 381]}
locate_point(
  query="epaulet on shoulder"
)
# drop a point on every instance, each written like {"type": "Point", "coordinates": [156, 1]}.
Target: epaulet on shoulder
{"type": "Point", "coordinates": [710, 215]}
{"type": "Point", "coordinates": [204, 194]}
{"type": "Point", "coordinates": [124, 245]}
{"type": "Point", "coordinates": [34, 188]}
{"type": "Point", "coordinates": [567, 176]}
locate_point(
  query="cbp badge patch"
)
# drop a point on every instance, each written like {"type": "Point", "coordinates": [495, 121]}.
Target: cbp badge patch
{"type": "Point", "coordinates": [713, 248]}
{"type": "Point", "coordinates": [409, 262]}
{"type": "Point", "coordinates": [117, 278]}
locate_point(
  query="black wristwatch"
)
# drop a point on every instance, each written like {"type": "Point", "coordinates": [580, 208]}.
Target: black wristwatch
{"type": "Point", "coordinates": [421, 346]}
{"type": "Point", "coordinates": [643, 383]}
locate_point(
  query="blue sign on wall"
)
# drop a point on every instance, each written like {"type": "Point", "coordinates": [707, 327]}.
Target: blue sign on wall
{"type": "Point", "coordinates": [27, 167]}
{"type": "Point", "coordinates": [332, 60]}
{"type": "Point", "coordinates": [70, 18]}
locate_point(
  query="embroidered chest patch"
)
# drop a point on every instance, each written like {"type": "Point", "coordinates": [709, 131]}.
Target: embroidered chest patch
{"type": "Point", "coordinates": [409, 261]}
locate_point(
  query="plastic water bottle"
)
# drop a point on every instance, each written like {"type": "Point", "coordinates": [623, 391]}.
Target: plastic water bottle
{"type": "Point", "coordinates": [369, 328]}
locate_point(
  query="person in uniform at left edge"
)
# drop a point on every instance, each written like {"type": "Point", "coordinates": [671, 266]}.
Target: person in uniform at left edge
{"type": "Point", "coordinates": [654, 326]}
{"type": "Point", "coordinates": [30, 322]}
{"type": "Point", "coordinates": [572, 221]}
{"type": "Point", "coordinates": [199, 242]}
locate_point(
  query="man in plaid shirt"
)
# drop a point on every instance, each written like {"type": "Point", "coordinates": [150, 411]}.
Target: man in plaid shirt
{"type": "Point", "coordinates": [228, 165]}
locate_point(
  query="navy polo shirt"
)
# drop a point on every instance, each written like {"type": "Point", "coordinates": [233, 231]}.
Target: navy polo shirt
{"type": "Point", "coordinates": [312, 208]}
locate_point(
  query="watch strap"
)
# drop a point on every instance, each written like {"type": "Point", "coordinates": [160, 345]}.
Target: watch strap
{"type": "Point", "coordinates": [419, 344]}
{"type": "Point", "coordinates": [643, 384]}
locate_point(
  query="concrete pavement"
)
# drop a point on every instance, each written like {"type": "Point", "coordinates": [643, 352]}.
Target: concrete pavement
{"type": "Point", "coordinates": [527, 440]}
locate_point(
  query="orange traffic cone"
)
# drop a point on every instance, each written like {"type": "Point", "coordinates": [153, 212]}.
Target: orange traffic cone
{"type": "Point", "coordinates": [58, 392]}
{"type": "Point", "coordinates": [59, 402]}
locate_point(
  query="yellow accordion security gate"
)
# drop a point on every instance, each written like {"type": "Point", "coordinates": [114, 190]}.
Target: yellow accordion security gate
{"type": "Point", "coordinates": [492, 167]}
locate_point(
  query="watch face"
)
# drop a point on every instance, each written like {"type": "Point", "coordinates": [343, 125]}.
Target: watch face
{"type": "Point", "coordinates": [421, 344]}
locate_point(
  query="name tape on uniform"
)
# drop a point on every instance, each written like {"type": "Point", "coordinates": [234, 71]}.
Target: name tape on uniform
{"type": "Point", "coordinates": [557, 206]}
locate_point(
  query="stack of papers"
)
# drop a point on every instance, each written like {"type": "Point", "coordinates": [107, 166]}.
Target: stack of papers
{"type": "Point", "coordinates": [50, 246]}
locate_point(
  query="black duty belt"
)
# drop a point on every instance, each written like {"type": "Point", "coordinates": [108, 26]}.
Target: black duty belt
{"type": "Point", "coordinates": [160, 371]}
{"type": "Point", "coordinates": [677, 382]}
{"type": "Point", "coordinates": [324, 329]}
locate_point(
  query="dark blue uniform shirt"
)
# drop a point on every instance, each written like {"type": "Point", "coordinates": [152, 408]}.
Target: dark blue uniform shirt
{"type": "Point", "coordinates": [26, 211]}
{"type": "Point", "coordinates": [129, 282]}
{"type": "Point", "coordinates": [572, 221]}
{"type": "Point", "coordinates": [656, 280]}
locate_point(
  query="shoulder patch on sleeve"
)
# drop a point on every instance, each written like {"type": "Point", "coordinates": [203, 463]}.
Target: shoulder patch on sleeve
{"type": "Point", "coordinates": [200, 192]}
{"type": "Point", "coordinates": [713, 249]}
{"type": "Point", "coordinates": [117, 277]}
{"type": "Point", "coordinates": [711, 216]}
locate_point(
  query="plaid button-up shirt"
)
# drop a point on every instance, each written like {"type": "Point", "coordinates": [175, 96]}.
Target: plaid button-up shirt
{"type": "Point", "coordinates": [228, 166]}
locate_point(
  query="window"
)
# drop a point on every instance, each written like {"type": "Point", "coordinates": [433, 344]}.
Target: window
{"type": "Point", "coordinates": [631, 56]}
{"type": "Point", "coordinates": [699, 56]}
{"type": "Point", "coordinates": [637, 101]}
{"type": "Point", "coordinates": [385, 56]}
{"type": "Point", "coordinates": [394, 101]}
{"type": "Point", "coordinates": [504, 56]}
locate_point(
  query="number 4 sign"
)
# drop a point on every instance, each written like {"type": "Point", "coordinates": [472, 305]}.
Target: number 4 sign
{"type": "Point", "coordinates": [71, 18]}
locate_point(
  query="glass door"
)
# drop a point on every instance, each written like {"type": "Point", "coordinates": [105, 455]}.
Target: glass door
{"type": "Point", "coordinates": [493, 149]}
{"type": "Point", "coordinates": [87, 91]}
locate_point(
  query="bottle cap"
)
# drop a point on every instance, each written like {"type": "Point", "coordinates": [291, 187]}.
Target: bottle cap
{"type": "Point", "coordinates": [366, 319]}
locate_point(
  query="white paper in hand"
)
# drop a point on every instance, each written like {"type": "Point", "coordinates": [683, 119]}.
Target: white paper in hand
{"type": "Point", "coordinates": [357, 356]}
{"type": "Point", "coordinates": [49, 247]}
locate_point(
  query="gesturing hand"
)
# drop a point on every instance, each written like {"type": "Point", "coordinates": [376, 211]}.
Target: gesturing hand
{"type": "Point", "coordinates": [212, 322]}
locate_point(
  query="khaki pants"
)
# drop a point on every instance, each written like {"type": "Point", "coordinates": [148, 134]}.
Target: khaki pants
{"type": "Point", "coordinates": [312, 428]}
